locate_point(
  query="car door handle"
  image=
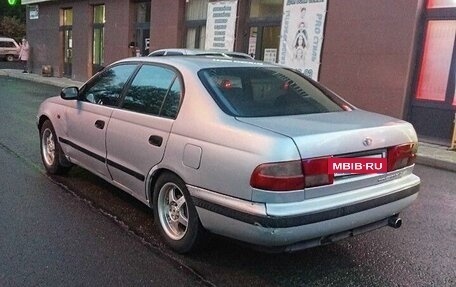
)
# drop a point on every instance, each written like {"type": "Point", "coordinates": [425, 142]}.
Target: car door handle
{"type": "Point", "coordinates": [156, 140]}
{"type": "Point", "coordinates": [99, 124]}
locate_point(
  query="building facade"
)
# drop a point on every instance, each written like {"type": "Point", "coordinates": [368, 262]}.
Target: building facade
{"type": "Point", "coordinates": [395, 57]}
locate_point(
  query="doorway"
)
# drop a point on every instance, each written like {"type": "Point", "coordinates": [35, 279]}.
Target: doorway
{"type": "Point", "coordinates": [68, 51]}
{"type": "Point", "coordinates": [67, 29]}
{"type": "Point", "coordinates": [264, 43]}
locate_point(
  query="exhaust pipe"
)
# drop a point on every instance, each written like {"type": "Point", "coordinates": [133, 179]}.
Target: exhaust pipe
{"type": "Point", "coordinates": [395, 221]}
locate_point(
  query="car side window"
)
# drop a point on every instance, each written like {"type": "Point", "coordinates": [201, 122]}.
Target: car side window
{"type": "Point", "coordinates": [157, 53]}
{"type": "Point", "coordinates": [149, 89]}
{"type": "Point", "coordinates": [172, 101]}
{"type": "Point", "coordinates": [107, 87]}
{"type": "Point", "coordinates": [174, 53]}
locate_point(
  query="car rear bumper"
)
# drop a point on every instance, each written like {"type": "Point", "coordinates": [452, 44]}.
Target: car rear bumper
{"type": "Point", "coordinates": [308, 223]}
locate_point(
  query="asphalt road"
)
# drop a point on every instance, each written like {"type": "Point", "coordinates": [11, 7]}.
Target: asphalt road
{"type": "Point", "coordinates": [79, 230]}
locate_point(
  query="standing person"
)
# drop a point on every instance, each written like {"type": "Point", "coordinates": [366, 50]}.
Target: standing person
{"type": "Point", "coordinates": [24, 54]}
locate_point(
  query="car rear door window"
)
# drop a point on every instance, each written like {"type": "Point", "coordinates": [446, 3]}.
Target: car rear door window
{"type": "Point", "coordinates": [153, 91]}
{"type": "Point", "coordinates": [108, 86]}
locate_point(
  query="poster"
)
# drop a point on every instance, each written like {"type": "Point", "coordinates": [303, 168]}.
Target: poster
{"type": "Point", "coordinates": [302, 35]}
{"type": "Point", "coordinates": [221, 25]}
{"type": "Point", "coordinates": [270, 55]}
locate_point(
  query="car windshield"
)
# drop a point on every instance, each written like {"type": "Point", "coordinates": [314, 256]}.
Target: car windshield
{"type": "Point", "coordinates": [266, 91]}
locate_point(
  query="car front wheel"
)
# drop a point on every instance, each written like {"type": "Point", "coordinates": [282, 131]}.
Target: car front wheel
{"type": "Point", "coordinates": [175, 214]}
{"type": "Point", "coordinates": [51, 152]}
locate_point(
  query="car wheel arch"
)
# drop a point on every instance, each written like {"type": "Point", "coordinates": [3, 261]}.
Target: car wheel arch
{"type": "Point", "coordinates": [153, 180]}
{"type": "Point", "coordinates": [41, 121]}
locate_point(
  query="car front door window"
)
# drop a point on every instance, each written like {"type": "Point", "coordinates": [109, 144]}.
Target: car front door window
{"type": "Point", "coordinates": [107, 87]}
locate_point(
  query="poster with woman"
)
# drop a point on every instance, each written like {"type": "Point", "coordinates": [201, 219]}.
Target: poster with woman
{"type": "Point", "coordinates": [302, 35]}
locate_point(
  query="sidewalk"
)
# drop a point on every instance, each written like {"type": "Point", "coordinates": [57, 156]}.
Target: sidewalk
{"type": "Point", "coordinates": [54, 81]}
{"type": "Point", "coordinates": [428, 154]}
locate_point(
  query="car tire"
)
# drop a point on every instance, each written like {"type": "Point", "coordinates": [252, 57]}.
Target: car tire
{"type": "Point", "coordinates": [9, 58]}
{"type": "Point", "coordinates": [51, 152]}
{"type": "Point", "coordinates": [175, 214]}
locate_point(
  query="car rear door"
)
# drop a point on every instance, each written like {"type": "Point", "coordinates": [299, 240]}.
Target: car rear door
{"type": "Point", "coordinates": [138, 132]}
{"type": "Point", "coordinates": [88, 118]}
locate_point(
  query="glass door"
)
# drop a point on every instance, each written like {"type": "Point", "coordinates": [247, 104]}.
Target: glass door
{"type": "Point", "coordinates": [67, 28]}
{"type": "Point", "coordinates": [264, 43]}
{"type": "Point", "coordinates": [68, 52]}
{"type": "Point", "coordinates": [98, 38]}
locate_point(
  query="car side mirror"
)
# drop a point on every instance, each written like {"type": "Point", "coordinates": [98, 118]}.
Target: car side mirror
{"type": "Point", "coordinates": [70, 93]}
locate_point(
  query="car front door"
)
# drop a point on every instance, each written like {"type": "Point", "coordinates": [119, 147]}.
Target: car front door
{"type": "Point", "coordinates": [87, 119]}
{"type": "Point", "coordinates": [139, 130]}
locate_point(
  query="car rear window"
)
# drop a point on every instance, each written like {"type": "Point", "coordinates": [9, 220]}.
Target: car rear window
{"type": "Point", "coordinates": [262, 92]}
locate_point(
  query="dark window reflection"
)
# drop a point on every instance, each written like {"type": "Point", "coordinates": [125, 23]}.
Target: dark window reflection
{"type": "Point", "coordinates": [106, 89]}
{"type": "Point", "coordinates": [172, 101]}
{"type": "Point", "coordinates": [148, 90]}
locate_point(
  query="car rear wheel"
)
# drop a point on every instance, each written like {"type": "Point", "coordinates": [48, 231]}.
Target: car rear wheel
{"type": "Point", "coordinates": [175, 214]}
{"type": "Point", "coordinates": [9, 58]}
{"type": "Point", "coordinates": [51, 153]}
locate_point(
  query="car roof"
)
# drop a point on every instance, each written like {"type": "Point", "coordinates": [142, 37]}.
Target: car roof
{"type": "Point", "coordinates": [187, 52]}
{"type": "Point", "coordinates": [184, 51]}
{"type": "Point", "coordinates": [197, 63]}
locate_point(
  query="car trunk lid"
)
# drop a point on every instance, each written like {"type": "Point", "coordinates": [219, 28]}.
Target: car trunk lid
{"type": "Point", "coordinates": [338, 133]}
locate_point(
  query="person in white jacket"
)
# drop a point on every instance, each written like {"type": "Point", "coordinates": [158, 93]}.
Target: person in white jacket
{"type": "Point", "coordinates": [24, 54]}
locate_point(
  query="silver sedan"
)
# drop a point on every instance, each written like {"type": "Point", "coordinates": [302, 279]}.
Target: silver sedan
{"type": "Point", "coordinates": [239, 148]}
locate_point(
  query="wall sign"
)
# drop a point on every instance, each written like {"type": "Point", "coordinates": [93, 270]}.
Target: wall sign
{"type": "Point", "coordinates": [34, 12]}
{"type": "Point", "coordinates": [221, 25]}
{"type": "Point", "coordinates": [302, 35]}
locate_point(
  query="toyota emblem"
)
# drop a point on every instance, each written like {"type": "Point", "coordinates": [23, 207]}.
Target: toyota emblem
{"type": "Point", "coordinates": [367, 141]}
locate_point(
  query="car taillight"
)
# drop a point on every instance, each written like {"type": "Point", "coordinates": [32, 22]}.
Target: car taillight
{"type": "Point", "coordinates": [291, 175]}
{"type": "Point", "coordinates": [401, 156]}
{"type": "Point", "coordinates": [279, 176]}
{"type": "Point", "coordinates": [316, 172]}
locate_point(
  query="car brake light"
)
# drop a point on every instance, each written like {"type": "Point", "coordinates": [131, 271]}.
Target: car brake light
{"type": "Point", "coordinates": [401, 156]}
{"type": "Point", "coordinates": [291, 175]}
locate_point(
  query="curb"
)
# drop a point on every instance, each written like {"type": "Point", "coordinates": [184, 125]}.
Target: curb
{"type": "Point", "coordinates": [436, 163]}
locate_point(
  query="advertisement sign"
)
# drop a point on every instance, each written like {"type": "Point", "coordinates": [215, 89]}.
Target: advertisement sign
{"type": "Point", "coordinates": [302, 35]}
{"type": "Point", "coordinates": [221, 25]}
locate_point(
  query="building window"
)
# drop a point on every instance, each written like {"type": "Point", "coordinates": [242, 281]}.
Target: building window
{"type": "Point", "coordinates": [437, 58]}
{"type": "Point", "coordinates": [142, 26]}
{"type": "Point", "coordinates": [143, 12]}
{"type": "Point", "coordinates": [99, 20]}
{"type": "Point", "coordinates": [441, 3]}
{"type": "Point", "coordinates": [266, 9]}
{"type": "Point", "coordinates": [67, 17]}
{"type": "Point", "coordinates": [195, 16]}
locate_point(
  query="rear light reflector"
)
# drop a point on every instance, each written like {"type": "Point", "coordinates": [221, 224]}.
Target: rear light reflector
{"type": "Point", "coordinates": [291, 175]}
{"type": "Point", "coordinates": [401, 156]}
